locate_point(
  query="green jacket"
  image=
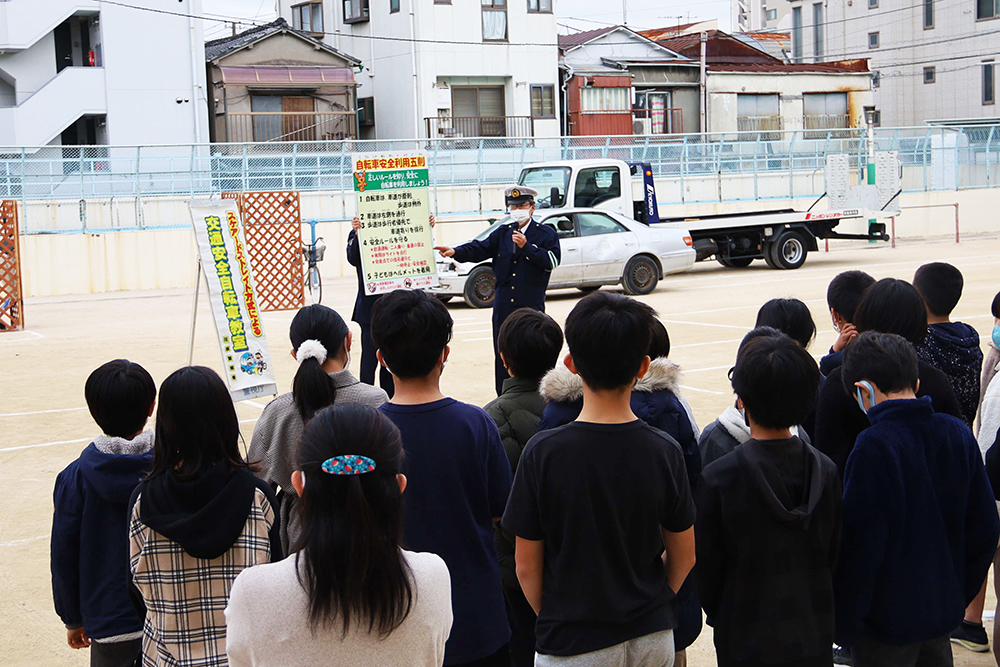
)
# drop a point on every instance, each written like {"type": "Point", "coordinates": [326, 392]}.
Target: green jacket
{"type": "Point", "coordinates": [517, 411]}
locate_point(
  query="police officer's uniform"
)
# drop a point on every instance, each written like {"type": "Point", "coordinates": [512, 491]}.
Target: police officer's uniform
{"type": "Point", "coordinates": [522, 274]}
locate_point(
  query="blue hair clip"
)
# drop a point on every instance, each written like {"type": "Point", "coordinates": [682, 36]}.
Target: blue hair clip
{"type": "Point", "coordinates": [349, 464]}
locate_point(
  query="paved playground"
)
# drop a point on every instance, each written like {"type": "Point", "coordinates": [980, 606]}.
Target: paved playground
{"type": "Point", "coordinates": [45, 424]}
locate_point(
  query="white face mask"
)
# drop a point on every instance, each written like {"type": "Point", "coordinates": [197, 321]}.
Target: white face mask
{"type": "Point", "coordinates": [520, 216]}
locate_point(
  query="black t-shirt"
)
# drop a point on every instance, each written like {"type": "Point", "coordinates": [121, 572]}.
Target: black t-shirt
{"type": "Point", "coordinates": [598, 494]}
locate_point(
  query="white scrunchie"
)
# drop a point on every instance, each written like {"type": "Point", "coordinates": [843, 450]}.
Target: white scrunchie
{"type": "Point", "coordinates": [311, 349]}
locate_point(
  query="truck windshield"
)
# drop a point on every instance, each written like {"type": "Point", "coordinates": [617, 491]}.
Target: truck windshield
{"type": "Point", "coordinates": [545, 180]}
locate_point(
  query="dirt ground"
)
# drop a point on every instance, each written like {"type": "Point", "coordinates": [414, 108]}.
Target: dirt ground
{"type": "Point", "coordinates": [44, 422]}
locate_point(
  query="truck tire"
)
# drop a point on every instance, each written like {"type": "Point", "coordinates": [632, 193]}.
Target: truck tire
{"type": "Point", "coordinates": [480, 287]}
{"type": "Point", "coordinates": [788, 251]}
{"type": "Point", "coordinates": [736, 262]}
{"type": "Point", "coordinates": [641, 275]}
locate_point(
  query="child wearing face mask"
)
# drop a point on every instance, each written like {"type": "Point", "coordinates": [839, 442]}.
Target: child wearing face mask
{"type": "Point", "coordinates": [920, 524]}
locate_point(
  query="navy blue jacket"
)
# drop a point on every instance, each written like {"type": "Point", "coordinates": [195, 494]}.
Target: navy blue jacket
{"type": "Point", "coordinates": [920, 526]}
{"type": "Point", "coordinates": [522, 274]}
{"type": "Point", "coordinates": [363, 303]}
{"type": "Point", "coordinates": [831, 361]}
{"type": "Point", "coordinates": [89, 550]}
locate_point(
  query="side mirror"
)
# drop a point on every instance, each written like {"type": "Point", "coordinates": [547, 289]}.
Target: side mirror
{"type": "Point", "coordinates": [555, 199]}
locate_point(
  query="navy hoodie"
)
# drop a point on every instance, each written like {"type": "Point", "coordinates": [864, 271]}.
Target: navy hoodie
{"type": "Point", "coordinates": [920, 527]}
{"type": "Point", "coordinates": [953, 348]}
{"type": "Point", "coordinates": [89, 550]}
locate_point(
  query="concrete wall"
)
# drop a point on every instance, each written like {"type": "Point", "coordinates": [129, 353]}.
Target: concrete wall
{"type": "Point", "coordinates": [56, 264]}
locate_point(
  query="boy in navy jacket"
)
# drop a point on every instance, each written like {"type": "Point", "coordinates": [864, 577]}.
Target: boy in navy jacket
{"type": "Point", "coordinates": [920, 523]}
{"type": "Point", "coordinates": [89, 548]}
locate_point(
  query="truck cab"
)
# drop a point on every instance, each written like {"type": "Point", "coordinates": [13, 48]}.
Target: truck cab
{"type": "Point", "coordinates": [603, 184]}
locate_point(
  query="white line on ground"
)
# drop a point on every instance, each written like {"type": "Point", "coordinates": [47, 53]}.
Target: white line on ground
{"type": "Point", "coordinates": [707, 324]}
{"type": "Point", "coordinates": [255, 404]}
{"type": "Point", "coordinates": [709, 368]}
{"type": "Point", "coordinates": [12, 543]}
{"type": "Point", "coordinates": [45, 444]}
{"type": "Point", "coordinates": [711, 342]}
{"type": "Point", "coordinates": [704, 391]}
{"type": "Point", "coordinates": [31, 335]}
{"type": "Point", "coordinates": [474, 323]}
{"type": "Point", "coordinates": [39, 412]}
{"type": "Point", "coordinates": [473, 340]}
{"type": "Point", "coordinates": [474, 331]}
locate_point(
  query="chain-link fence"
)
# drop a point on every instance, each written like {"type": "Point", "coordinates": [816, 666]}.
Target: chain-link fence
{"type": "Point", "coordinates": [73, 189]}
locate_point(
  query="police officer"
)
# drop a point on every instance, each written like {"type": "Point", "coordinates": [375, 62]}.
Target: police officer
{"type": "Point", "coordinates": [524, 253]}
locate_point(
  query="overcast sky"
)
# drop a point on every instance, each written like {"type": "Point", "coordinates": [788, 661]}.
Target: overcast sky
{"type": "Point", "coordinates": [578, 14]}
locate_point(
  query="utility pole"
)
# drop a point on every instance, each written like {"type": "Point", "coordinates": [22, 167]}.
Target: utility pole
{"type": "Point", "coordinates": [703, 83]}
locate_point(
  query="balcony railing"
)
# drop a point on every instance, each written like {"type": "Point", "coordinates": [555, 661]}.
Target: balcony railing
{"type": "Point", "coordinates": [457, 127]}
{"type": "Point", "coordinates": [765, 127]}
{"type": "Point", "coordinates": [825, 123]}
{"type": "Point", "coordinates": [290, 126]}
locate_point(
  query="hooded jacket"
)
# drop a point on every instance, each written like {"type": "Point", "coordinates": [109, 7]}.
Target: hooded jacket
{"type": "Point", "coordinates": [656, 400]}
{"type": "Point", "coordinates": [920, 526]}
{"type": "Point", "coordinates": [769, 517]}
{"type": "Point", "coordinates": [953, 348]}
{"type": "Point", "coordinates": [89, 547]}
{"type": "Point", "coordinates": [728, 432]}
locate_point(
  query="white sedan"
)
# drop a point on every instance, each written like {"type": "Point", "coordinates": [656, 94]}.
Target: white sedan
{"type": "Point", "coordinates": [598, 248]}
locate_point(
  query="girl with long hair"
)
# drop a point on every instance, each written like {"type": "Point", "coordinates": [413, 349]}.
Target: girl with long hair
{"type": "Point", "coordinates": [321, 343]}
{"type": "Point", "coordinates": [197, 521]}
{"type": "Point", "coordinates": [349, 595]}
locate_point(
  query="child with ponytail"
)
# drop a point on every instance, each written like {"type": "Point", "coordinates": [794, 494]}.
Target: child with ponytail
{"type": "Point", "coordinates": [350, 596]}
{"type": "Point", "coordinates": [321, 343]}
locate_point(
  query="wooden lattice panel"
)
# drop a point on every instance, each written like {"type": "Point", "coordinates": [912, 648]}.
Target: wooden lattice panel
{"type": "Point", "coordinates": [11, 294]}
{"type": "Point", "coordinates": [273, 225]}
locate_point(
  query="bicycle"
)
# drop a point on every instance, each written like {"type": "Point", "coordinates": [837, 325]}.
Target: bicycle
{"type": "Point", "coordinates": [313, 253]}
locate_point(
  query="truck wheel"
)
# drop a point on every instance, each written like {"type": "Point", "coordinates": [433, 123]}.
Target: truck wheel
{"type": "Point", "coordinates": [736, 262]}
{"type": "Point", "coordinates": [641, 275]}
{"type": "Point", "coordinates": [789, 251]}
{"type": "Point", "coordinates": [480, 287]}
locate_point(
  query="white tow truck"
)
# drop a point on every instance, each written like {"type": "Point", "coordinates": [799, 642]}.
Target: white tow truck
{"type": "Point", "coordinates": [781, 237]}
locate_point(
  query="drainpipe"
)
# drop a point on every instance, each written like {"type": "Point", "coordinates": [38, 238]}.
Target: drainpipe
{"type": "Point", "coordinates": [413, 63]}
{"type": "Point", "coordinates": [565, 98]}
{"type": "Point", "coordinates": [194, 76]}
{"type": "Point", "coordinates": [703, 84]}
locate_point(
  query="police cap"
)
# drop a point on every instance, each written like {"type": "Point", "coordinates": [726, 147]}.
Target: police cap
{"type": "Point", "coordinates": [519, 194]}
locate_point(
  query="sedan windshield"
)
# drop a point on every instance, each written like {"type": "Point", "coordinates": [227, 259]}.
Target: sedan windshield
{"type": "Point", "coordinates": [545, 180]}
{"type": "Point", "coordinates": [483, 235]}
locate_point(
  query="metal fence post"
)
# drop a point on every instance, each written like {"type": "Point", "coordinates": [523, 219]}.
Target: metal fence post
{"type": "Point", "coordinates": [434, 176]}
{"type": "Point", "coordinates": [989, 145]}
{"type": "Point", "coordinates": [349, 174]}
{"type": "Point", "coordinates": [245, 168]}
{"type": "Point", "coordinates": [479, 166]}
{"type": "Point", "coordinates": [791, 165]}
{"type": "Point", "coordinates": [24, 199]}
{"type": "Point", "coordinates": [137, 187]}
{"type": "Point", "coordinates": [956, 223]}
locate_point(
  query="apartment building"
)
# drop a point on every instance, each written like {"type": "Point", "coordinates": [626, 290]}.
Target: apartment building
{"type": "Point", "coordinates": [933, 61]}
{"type": "Point", "coordinates": [89, 73]}
{"type": "Point", "coordinates": [444, 69]}
{"type": "Point", "coordinates": [757, 15]}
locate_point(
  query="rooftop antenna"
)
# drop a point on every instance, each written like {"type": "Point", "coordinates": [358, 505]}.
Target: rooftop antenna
{"type": "Point", "coordinates": [624, 12]}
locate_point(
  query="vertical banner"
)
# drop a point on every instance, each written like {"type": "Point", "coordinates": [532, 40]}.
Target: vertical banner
{"type": "Point", "coordinates": [397, 250]}
{"type": "Point", "coordinates": [224, 260]}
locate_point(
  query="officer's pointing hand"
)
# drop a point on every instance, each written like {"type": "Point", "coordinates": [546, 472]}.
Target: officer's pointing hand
{"type": "Point", "coordinates": [519, 238]}
{"type": "Point", "coordinates": [445, 251]}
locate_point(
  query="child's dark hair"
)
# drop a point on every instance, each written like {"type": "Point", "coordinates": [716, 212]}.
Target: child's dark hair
{"type": "Point", "coordinates": [940, 284]}
{"type": "Point", "coordinates": [120, 394]}
{"type": "Point", "coordinates": [410, 328]}
{"type": "Point", "coordinates": [846, 291]}
{"type": "Point", "coordinates": [995, 307]}
{"type": "Point", "coordinates": [893, 306]}
{"type": "Point", "coordinates": [789, 316]}
{"type": "Point", "coordinates": [608, 336]}
{"type": "Point", "coordinates": [887, 360]}
{"type": "Point", "coordinates": [312, 388]}
{"type": "Point", "coordinates": [352, 568]}
{"type": "Point", "coordinates": [196, 424]}
{"type": "Point", "coordinates": [530, 342]}
{"type": "Point", "coordinates": [777, 380]}
{"type": "Point", "coordinates": [659, 340]}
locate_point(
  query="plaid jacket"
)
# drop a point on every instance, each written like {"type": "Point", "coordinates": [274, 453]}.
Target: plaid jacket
{"type": "Point", "coordinates": [186, 596]}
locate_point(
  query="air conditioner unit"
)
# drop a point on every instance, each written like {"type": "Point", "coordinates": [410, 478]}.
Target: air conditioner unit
{"type": "Point", "coordinates": [642, 126]}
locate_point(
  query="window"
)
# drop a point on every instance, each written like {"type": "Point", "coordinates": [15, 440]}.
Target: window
{"type": "Point", "coordinates": [393, 6]}
{"type": "Point", "coordinates": [562, 225]}
{"type": "Point", "coordinates": [876, 79]}
{"type": "Point", "coordinates": [989, 83]}
{"type": "Point", "coordinates": [604, 99]}
{"type": "Point", "coordinates": [494, 20]}
{"type": "Point", "coordinates": [366, 112]}
{"type": "Point", "coordinates": [987, 9]}
{"type": "Point", "coordinates": [873, 40]}
{"type": "Point", "coordinates": [594, 186]}
{"type": "Point", "coordinates": [478, 111]}
{"type": "Point", "coordinates": [875, 115]}
{"type": "Point", "coordinates": [592, 224]}
{"type": "Point", "coordinates": [929, 75]}
{"type": "Point", "coordinates": [355, 11]}
{"type": "Point", "coordinates": [818, 30]}
{"type": "Point", "coordinates": [796, 34]}
{"type": "Point", "coordinates": [545, 180]}
{"type": "Point", "coordinates": [543, 102]}
{"type": "Point", "coordinates": [308, 17]}
{"type": "Point", "coordinates": [872, 4]}
{"type": "Point", "coordinates": [825, 111]}
{"type": "Point", "coordinates": [758, 113]}
{"type": "Point", "coordinates": [928, 14]}
{"type": "Point", "coordinates": [772, 15]}
{"type": "Point", "coordinates": [540, 6]}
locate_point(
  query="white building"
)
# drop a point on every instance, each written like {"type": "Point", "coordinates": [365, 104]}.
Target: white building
{"type": "Point", "coordinates": [499, 79]}
{"type": "Point", "coordinates": [756, 15]}
{"type": "Point", "coordinates": [933, 60]}
{"type": "Point", "coordinates": [86, 72]}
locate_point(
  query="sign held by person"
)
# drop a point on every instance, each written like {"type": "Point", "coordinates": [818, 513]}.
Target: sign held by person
{"type": "Point", "coordinates": [397, 251]}
{"type": "Point", "coordinates": [222, 253]}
